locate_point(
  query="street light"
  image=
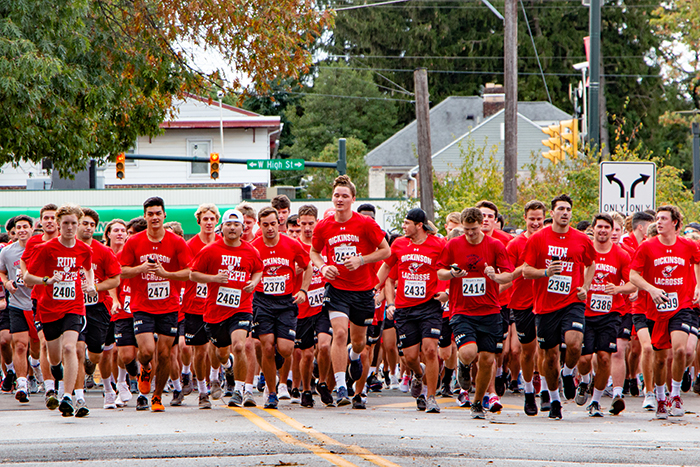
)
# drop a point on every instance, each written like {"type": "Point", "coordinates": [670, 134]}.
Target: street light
{"type": "Point", "coordinates": [583, 67]}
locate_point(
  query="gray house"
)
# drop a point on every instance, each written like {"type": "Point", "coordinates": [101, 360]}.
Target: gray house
{"type": "Point", "coordinates": [457, 117]}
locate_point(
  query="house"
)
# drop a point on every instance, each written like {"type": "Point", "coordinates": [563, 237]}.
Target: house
{"type": "Point", "coordinates": [450, 121]}
{"type": "Point", "coordinates": [194, 131]}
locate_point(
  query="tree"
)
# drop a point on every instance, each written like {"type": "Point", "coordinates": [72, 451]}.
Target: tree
{"type": "Point", "coordinates": [82, 79]}
{"type": "Point", "coordinates": [320, 184]}
{"type": "Point", "coordinates": [325, 114]}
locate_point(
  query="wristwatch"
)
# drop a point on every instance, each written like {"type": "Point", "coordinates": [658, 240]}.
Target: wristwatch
{"type": "Point", "coordinates": [45, 280]}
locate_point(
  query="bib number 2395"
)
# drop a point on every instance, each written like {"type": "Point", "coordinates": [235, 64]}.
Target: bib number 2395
{"type": "Point", "coordinates": [559, 284]}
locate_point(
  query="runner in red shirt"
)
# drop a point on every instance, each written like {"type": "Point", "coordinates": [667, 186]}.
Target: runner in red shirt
{"type": "Point", "coordinates": [416, 311]}
{"type": "Point", "coordinates": [664, 267]}
{"type": "Point", "coordinates": [521, 302]}
{"type": "Point", "coordinates": [313, 324]}
{"type": "Point", "coordinates": [98, 330]}
{"type": "Point", "coordinates": [250, 221]}
{"type": "Point", "coordinates": [351, 242]}
{"type": "Point", "coordinates": [56, 268]}
{"type": "Point", "coordinates": [604, 306]}
{"type": "Point", "coordinates": [155, 261]}
{"type": "Point", "coordinates": [470, 262]}
{"type": "Point", "coordinates": [192, 334]}
{"type": "Point", "coordinates": [47, 217]}
{"type": "Point", "coordinates": [231, 269]}
{"type": "Point", "coordinates": [275, 302]}
{"type": "Point", "coordinates": [561, 260]}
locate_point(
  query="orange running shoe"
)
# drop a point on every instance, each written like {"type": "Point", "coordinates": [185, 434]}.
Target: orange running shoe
{"type": "Point", "coordinates": [145, 380]}
{"type": "Point", "coordinates": [157, 404]}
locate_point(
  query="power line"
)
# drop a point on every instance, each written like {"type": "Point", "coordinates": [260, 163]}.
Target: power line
{"type": "Point", "coordinates": [350, 97]}
{"type": "Point", "coordinates": [546, 88]}
{"type": "Point", "coordinates": [439, 57]}
{"type": "Point", "coordinates": [369, 5]}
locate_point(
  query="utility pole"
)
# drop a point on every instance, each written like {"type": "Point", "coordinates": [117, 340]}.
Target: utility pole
{"type": "Point", "coordinates": [510, 116]}
{"type": "Point", "coordinates": [696, 161]}
{"type": "Point", "coordinates": [425, 161]}
{"type": "Point", "coordinates": [594, 86]}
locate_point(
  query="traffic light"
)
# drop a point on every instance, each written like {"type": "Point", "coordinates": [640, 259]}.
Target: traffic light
{"type": "Point", "coordinates": [121, 159]}
{"type": "Point", "coordinates": [554, 143]}
{"type": "Point", "coordinates": [570, 137]}
{"type": "Point", "coordinates": [214, 165]}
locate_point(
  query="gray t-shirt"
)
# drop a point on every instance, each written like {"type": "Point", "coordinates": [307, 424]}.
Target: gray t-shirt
{"type": "Point", "coordinates": [9, 264]}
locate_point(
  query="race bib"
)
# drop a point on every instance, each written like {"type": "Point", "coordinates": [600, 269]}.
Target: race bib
{"type": "Point", "coordinates": [18, 278]}
{"type": "Point", "coordinates": [158, 290]}
{"type": "Point", "coordinates": [202, 290]}
{"type": "Point", "coordinates": [670, 305]}
{"type": "Point", "coordinates": [316, 297]}
{"type": "Point", "coordinates": [414, 289]}
{"type": "Point", "coordinates": [473, 286]}
{"type": "Point", "coordinates": [64, 290]}
{"type": "Point", "coordinates": [90, 300]}
{"type": "Point", "coordinates": [127, 303]}
{"type": "Point", "coordinates": [228, 297]}
{"type": "Point", "coordinates": [601, 303]}
{"type": "Point", "coordinates": [559, 284]}
{"type": "Point", "coordinates": [274, 285]}
{"type": "Point", "coordinates": [341, 253]}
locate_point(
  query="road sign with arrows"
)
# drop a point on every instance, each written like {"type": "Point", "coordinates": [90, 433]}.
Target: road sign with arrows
{"type": "Point", "coordinates": [627, 187]}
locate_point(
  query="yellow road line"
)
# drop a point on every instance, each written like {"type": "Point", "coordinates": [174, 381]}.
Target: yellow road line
{"type": "Point", "coordinates": [289, 439]}
{"type": "Point", "coordinates": [357, 450]}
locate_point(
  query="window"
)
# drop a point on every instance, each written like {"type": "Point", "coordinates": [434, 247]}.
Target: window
{"type": "Point", "coordinates": [199, 150]}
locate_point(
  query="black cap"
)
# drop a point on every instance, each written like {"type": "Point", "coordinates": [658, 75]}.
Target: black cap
{"type": "Point", "coordinates": [694, 225]}
{"type": "Point", "coordinates": [417, 215]}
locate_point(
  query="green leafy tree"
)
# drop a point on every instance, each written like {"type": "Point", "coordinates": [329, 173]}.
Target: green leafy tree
{"type": "Point", "coordinates": [320, 181]}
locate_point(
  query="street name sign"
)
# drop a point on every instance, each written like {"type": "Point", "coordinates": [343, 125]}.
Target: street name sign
{"type": "Point", "coordinates": [276, 164]}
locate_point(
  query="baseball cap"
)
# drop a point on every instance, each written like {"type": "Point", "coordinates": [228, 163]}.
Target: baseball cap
{"type": "Point", "coordinates": [232, 215]}
{"type": "Point", "coordinates": [417, 215]}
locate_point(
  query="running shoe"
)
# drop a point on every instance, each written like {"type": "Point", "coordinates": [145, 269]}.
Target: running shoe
{"type": "Point", "coordinates": [33, 385]}
{"type": "Point", "coordinates": [204, 402]}
{"type": "Point", "coordinates": [358, 402]}
{"type": "Point", "coordinates": [145, 380]}
{"type": "Point", "coordinates": [9, 382]}
{"type": "Point", "coordinates": [393, 381]}
{"type": "Point", "coordinates": [228, 373]}
{"type": "Point", "coordinates": [569, 386]}
{"type": "Point", "coordinates": [431, 405]}
{"type": "Point", "coordinates": [326, 396]}
{"type": "Point", "coordinates": [696, 385]}
{"type": "Point", "coordinates": [594, 410]}
{"type": "Point", "coordinates": [216, 389]}
{"type": "Point", "coordinates": [676, 407]}
{"type": "Point", "coordinates": [22, 395]}
{"type": "Point", "coordinates": [582, 394]}
{"type": "Point", "coordinates": [261, 383]}
{"type": "Point", "coordinates": [248, 399]}
{"type": "Point", "coordinates": [157, 404]}
{"type": "Point", "coordinates": [500, 384]}
{"type": "Point", "coordinates": [296, 396]}
{"type": "Point", "coordinates": [661, 410]}
{"type": "Point", "coordinates": [89, 367]}
{"type": "Point", "coordinates": [51, 400]}
{"type": "Point", "coordinates": [421, 403]}
{"type": "Point", "coordinates": [142, 403]}
{"type": "Point", "coordinates": [649, 402]}
{"type": "Point", "coordinates": [464, 377]}
{"type": "Point", "coordinates": [187, 385]}
{"type": "Point", "coordinates": [530, 406]}
{"type": "Point", "coordinates": [343, 398]}
{"type": "Point", "coordinates": [374, 384]}
{"type": "Point", "coordinates": [634, 387]}
{"type": "Point", "coordinates": [66, 406]}
{"type": "Point", "coordinates": [81, 409]}
{"type": "Point", "coordinates": [617, 405]}
{"type": "Point", "coordinates": [495, 405]}
{"type": "Point", "coordinates": [177, 399]}
{"type": "Point", "coordinates": [110, 400]}
{"type": "Point", "coordinates": [686, 382]}
{"type": "Point", "coordinates": [355, 367]}
{"type": "Point", "coordinates": [283, 392]}
{"type": "Point", "coordinates": [307, 399]}
{"type": "Point", "coordinates": [405, 383]}
{"type": "Point", "coordinates": [271, 402]}
{"type": "Point", "coordinates": [417, 384]}
{"type": "Point", "coordinates": [478, 412]}
{"type": "Point", "coordinates": [236, 399]}
{"type": "Point", "coordinates": [555, 410]}
{"type": "Point", "coordinates": [545, 403]}
{"type": "Point", "coordinates": [124, 393]}
{"type": "Point", "coordinates": [89, 381]}
{"type": "Point", "coordinates": [463, 399]}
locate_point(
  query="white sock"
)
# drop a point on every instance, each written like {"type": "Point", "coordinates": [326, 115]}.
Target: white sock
{"type": "Point", "coordinates": [22, 383]}
{"type": "Point", "coordinates": [543, 384]}
{"type": "Point", "coordinates": [554, 395]}
{"type": "Point", "coordinates": [227, 364]}
{"type": "Point", "coordinates": [49, 385]}
{"type": "Point", "coordinates": [586, 378]}
{"type": "Point", "coordinates": [177, 384]}
{"type": "Point", "coordinates": [240, 386]}
{"type": "Point", "coordinates": [34, 362]}
{"type": "Point", "coordinates": [290, 375]}
{"type": "Point", "coordinates": [214, 375]}
{"type": "Point", "coordinates": [121, 375]}
{"type": "Point", "coordinates": [340, 380]}
{"type": "Point", "coordinates": [353, 355]}
{"type": "Point", "coordinates": [597, 394]}
{"type": "Point", "coordinates": [202, 386]}
{"type": "Point", "coordinates": [424, 391]}
{"type": "Point", "coordinates": [675, 388]}
{"type": "Point", "coordinates": [107, 383]}
{"type": "Point", "coordinates": [10, 367]}
{"type": "Point", "coordinates": [61, 387]}
{"type": "Point", "coordinates": [499, 371]}
{"type": "Point", "coordinates": [372, 369]}
{"type": "Point", "coordinates": [661, 393]}
{"type": "Point", "coordinates": [528, 387]}
{"type": "Point", "coordinates": [79, 394]}
{"type": "Point", "coordinates": [249, 388]}
{"type": "Point", "coordinates": [617, 391]}
{"type": "Point", "coordinates": [186, 370]}
{"type": "Point", "coordinates": [567, 371]}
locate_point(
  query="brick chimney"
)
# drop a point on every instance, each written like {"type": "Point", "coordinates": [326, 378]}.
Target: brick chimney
{"type": "Point", "coordinates": [494, 96]}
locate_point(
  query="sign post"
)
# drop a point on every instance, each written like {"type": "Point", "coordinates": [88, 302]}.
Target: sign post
{"type": "Point", "coordinates": [627, 187]}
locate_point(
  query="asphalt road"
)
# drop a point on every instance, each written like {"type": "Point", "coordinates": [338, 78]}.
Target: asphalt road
{"type": "Point", "coordinates": [389, 433]}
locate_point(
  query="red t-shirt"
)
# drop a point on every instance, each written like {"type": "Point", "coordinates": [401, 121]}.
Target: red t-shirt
{"type": "Point", "coordinates": [610, 268]}
{"type": "Point", "coordinates": [521, 297]}
{"type": "Point", "coordinates": [314, 302]}
{"type": "Point", "coordinates": [56, 300]}
{"type": "Point", "coordinates": [475, 294]}
{"type": "Point", "coordinates": [195, 294]}
{"type": "Point", "coordinates": [360, 235]}
{"type": "Point", "coordinates": [417, 277]}
{"type": "Point", "coordinates": [151, 293]}
{"type": "Point", "coordinates": [279, 263]}
{"type": "Point", "coordinates": [629, 244]}
{"type": "Point", "coordinates": [105, 265]}
{"type": "Point", "coordinates": [124, 294]}
{"type": "Point", "coordinates": [34, 242]}
{"type": "Point", "coordinates": [241, 262]}
{"type": "Point", "coordinates": [670, 268]}
{"type": "Point", "coordinates": [576, 252]}
{"type": "Point", "coordinates": [505, 238]}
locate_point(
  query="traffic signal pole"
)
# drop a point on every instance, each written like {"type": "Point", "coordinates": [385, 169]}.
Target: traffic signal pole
{"type": "Point", "coordinates": [594, 86]}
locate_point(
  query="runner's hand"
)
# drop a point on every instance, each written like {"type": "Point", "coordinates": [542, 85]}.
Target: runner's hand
{"type": "Point", "coordinates": [582, 293]}
{"type": "Point", "coordinates": [490, 272]}
{"type": "Point", "coordinates": [390, 312]}
{"type": "Point", "coordinates": [353, 263]}
{"type": "Point", "coordinates": [249, 287]}
{"type": "Point", "coordinates": [329, 272]}
{"type": "Point", "coordinates": [300, 297]}
{"type": "Point", "coordinates": [221, 278]}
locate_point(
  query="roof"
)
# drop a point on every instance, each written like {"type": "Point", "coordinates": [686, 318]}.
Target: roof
{"type": "Point", "coordinates": [199, 112]}
{"type": "Point", "coordinates": [449, 121]}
